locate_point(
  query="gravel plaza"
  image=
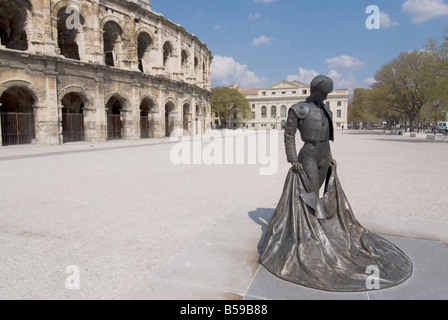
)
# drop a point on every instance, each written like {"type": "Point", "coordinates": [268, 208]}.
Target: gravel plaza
{"type": "Point", "coordinates": [120, 211]}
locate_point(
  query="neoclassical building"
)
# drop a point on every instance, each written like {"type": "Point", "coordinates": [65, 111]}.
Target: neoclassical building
{"type": "Point", "coordinates": [271, 105]}
{"type": "Point", "coordinates": [98, 70]}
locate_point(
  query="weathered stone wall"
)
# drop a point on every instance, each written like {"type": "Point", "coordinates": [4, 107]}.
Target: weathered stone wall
{"type": "Point", "coordinates": [136, 72]}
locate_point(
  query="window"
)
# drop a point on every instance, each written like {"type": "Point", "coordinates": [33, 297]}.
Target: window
{"type": "Point", "coordinates": [339, 113]}
{"type": "Point", "coordinates": [283, 92]}
{"type": "Point", "coordinates": [283, 112]}
{"type": "Point", "coordinates": [274, 93]}
{"type": "Point", "coordinates": [273, 112]}
{"type": "Point", "coordinates": [263, 93]}
{"type": "Point", "coordinates": [327, 103]}
{"type": "Point", "coordinates": [294, 92]}
{"type": "Point", "coordinates": [339, 103]}
{"type": "Point", "coordinates": [304, 92]}
{"type": "Point", "coordinates": [167, 52]}
{"type": "Point", "coordinates": [264, 112]}
{"type": "Point", "coordinates": [253, 106]}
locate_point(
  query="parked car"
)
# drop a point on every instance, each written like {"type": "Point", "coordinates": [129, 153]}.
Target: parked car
{"type": "Point", "coordinates": [442, 127]}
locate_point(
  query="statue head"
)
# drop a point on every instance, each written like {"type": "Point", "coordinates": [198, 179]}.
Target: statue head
{"type": "Point", "coordinates": [321, 86]}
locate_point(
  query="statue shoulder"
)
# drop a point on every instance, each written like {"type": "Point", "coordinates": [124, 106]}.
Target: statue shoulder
{"type": "Point", "coordinates": [302, 110]}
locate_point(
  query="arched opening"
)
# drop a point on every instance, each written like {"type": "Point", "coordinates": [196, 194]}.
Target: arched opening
{"type": "Point", "coordinates": [17, 116]}
{"type": "Point", "coordinates": [196, 62]}
{"type": "Point", "coordinates": [184, 59]}
{"type": "Point", "coordinates": [169, 119]}
{"type": "Point", "coordinates": [204, 72]}
{"type": "Point", "coordinates": [264, 112]}
{"type": "Point", "coordinates": [114, 122]}
{"type": "Point", "coordinates": [68, 32]}
{"type": "Point", "coordinates": [13, 18]}
{"type": "Point", "coordinates": [167, 52]}
{"type": "Point", "coordinates": [146, 122]}
{"type": "Point", "coordinates": [283, 124]}
{"type": "Point", "coordinates": [273, 112]}
{"type": "Point", "coordinates": [186, 117]}
{"type": "Point", "coordinates": [283, 112]}
{"type": "Point", "coordinates": [72, 117]}
{"type": "Point", "coordinates": [112, 43]}
{"type": "Point", "coordinates": [144, 42]}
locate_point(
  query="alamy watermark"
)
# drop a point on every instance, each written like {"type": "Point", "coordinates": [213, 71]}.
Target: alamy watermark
{"type": "Point", "coordinates": [373, 22]}
{"type": "Point", "coordinates": [228, 147]}
{"type": "Point", "coordinates": [73, 281]}
{"type": "Point", "coordinates": [73, 21]}
{"type": "Point", "coordinates": [373, 281]}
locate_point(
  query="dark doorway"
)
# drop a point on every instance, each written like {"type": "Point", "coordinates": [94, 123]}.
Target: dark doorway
{"type": "Point", "coordinates": [114, 123]}
{"type": "Point", "coordinates": [17, 116]}
{"type": "Point", "coordinates": [169, 119]}
{"type": "Point", "coordinates": [186, 117]}
{"type": "Point", "coordinates": [72, 118]}
{"type": "Point", "coordinates": [146, 123]}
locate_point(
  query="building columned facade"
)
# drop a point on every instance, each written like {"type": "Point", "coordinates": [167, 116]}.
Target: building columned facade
{"type": "Point", "coordinates": [270, 106]}
{"type": "Point", "coordinates": [98, 70]}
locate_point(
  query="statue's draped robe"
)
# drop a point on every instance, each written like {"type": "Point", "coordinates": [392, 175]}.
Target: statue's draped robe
{"type": "Point", "coordinates": [337, 254]}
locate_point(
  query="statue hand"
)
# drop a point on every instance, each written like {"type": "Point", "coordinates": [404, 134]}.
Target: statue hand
{"type": "Point", "coordinates": [296, 166]}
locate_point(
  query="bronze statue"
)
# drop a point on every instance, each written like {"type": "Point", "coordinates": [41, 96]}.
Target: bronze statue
{"type": "Point", "coordinates": [317, 242]}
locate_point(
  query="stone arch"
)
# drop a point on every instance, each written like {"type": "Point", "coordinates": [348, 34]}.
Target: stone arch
{"type": "Point", "coordinates": [170, 116]}
{"type": "Point", "coordinates": [87, 98]}
{"type": "Point", "coordinates": [69, 22]}
{"type": "Point", "coordinates": [168, 51]}
{"type": "Point", "coordinates": [113, 33]}
{"type": "Point", "coordinates": [37, 94]}
{"type": "Point", "coordinates": [148, 111]}
{"type": "Point", "coordinates": [173, 105]}
{"type": "Point", "coordinates": [184, 58]}
{"type": "Point", "coordinates": [15, 24]}
{"type": "Point", "coordinates": [18, 112]}
{"type": "Point", "coordinates": [116, 104]}
{"type": "Point", "coordinates": [144, 46]}
{"type": "Point", "coordinates": [121, 97]}
{"type": "Point", "coordinates": [153, 99]}
{"type": "Point", "coordinates": [187, 115]}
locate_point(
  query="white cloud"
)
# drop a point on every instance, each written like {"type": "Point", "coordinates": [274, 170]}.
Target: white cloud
{"type": "Point", "coordinates": [424, 10]}
{"type": "Point", "coordinates": [369, 81]}
{"type": "Point", "coordinates": [262, 40]}
{"type": "Point", "coordinates": [304, 76]}
{"type": "Point", "coordinates": [343, 61]}
{"type": "Point", "coordinates": [386, 21]}
{"type": "Point", "coordinates": [254, 16]}
{"type": "Point", "coordinates": [342, 81]}
{"type": "Point", "coordinates": [225, 71]}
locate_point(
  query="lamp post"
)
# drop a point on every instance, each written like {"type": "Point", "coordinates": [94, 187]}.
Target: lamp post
{"type": "Point", "coordinates": [419, 105]}
{"type": "Point", "coordinates": [436, 106]}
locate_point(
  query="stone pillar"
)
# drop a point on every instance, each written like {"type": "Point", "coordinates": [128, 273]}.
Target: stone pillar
{"type": "Point", "coordinates": [50, 121]}
{"type": "Point", "coordinates": [100, 112]}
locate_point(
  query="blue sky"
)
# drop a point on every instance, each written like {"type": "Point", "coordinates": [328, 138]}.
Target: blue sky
{"type": "Point", "coordinates": [257, 43]}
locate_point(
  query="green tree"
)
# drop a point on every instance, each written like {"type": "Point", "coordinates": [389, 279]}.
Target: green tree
{"type": "Point", "coordinates": [361, 107]}
{"type": "Point", "coordinates": [408, 82]}
{"type": "Point", "coordinates": [380, 101]}
{"type": "Point", "coordinates": [230, 105]}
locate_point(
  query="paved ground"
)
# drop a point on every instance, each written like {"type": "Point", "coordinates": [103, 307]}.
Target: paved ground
{"type": "Point", "coordinates": [120, 210]}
